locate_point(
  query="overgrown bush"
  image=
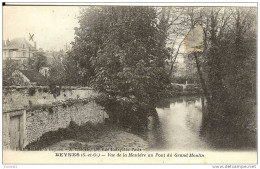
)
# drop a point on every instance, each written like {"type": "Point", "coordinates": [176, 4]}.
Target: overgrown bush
{"type": "Point", "coordinates": [32, 91]}
{"type": "Point", "coordinates": [55, 90]}
{"type": "Point", "coordinates": [39, 90]}
{"type": "Point", "coordinates": [125, 112]}
{"type": "Point", "coordinates": [45, 90]}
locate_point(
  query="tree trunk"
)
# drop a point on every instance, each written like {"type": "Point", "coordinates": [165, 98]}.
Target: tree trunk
{"type": "Point", "coordinates": [202, 81]}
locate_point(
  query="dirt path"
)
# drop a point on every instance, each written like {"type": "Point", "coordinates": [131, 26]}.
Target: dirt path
{"type": "Point", "coordinates": [111, 140]}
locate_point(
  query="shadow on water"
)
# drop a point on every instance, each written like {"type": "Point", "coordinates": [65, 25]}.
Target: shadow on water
{"type": "Point", "coordinates": [182, 124]}
{"type": "Point", "coordinates": [225, 136]}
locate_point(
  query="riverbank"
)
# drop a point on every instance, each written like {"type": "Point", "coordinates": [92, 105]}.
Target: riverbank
{"type": "Point", "coordinates": [112, 140]}
{"type": "Point", "coordinates": [89, 137]}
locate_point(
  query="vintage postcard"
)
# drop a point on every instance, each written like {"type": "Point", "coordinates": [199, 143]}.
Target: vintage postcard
{"type": "Point", "coordinates": [129, 83]}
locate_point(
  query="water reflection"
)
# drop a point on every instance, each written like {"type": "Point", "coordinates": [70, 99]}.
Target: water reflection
{"type": "Point", "coordinates": [181, 125]}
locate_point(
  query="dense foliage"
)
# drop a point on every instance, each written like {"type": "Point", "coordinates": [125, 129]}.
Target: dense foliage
{"type": "Point", "coordinates": [230, 59]}
{"type": "Point", "coordinates": [118, 52]}
{"type": "Point", "coordinates": [9, 66]}
{"type": "Point", "coordinates": [37, 61]}
{"type": "Point", "coordinates": [63, 70]}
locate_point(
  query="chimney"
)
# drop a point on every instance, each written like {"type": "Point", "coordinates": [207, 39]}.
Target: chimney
{"type": "Point", "coordinates": [35, 47]}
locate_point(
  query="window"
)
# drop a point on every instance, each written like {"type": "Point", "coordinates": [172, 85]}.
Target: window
{"type": "Point", "coordinates": [23, 54]}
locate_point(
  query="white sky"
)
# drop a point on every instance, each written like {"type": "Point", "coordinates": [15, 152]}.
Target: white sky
{"type": "Point", "coordinates": [52, 26]}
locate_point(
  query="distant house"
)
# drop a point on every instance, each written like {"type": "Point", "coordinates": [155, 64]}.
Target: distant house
{"type": "Point", "coordinates": [28, 78]}
{"type": "Point", "coordinates": [18, 50]}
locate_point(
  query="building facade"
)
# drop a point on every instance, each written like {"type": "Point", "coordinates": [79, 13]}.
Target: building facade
{"type": "Point", "coordinates": [19, 50]}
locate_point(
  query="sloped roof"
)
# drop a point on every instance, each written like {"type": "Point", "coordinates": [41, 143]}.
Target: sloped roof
{"type": "Point", "coordinates": [35, 76]}
{"type": "Point", "coordinates": [17, 43]}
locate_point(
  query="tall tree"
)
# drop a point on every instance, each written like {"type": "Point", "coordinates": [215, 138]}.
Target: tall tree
{"type": "Point", "coordinates": [122, 51]}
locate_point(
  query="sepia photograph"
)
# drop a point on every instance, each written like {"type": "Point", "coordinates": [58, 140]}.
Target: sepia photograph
{"type": "Point", "coordinates": [129, 83]}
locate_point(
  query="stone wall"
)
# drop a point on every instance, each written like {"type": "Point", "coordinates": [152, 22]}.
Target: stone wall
{"type": "Point", "coordinates": [37, 119]}
{"type": "Point", "coordinates": [18, 97]}
{"type": "Point", "coordinates": [41, 121]}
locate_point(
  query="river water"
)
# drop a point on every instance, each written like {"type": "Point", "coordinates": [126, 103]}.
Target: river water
{"type": "Point", "coordinates": [179, 126]}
